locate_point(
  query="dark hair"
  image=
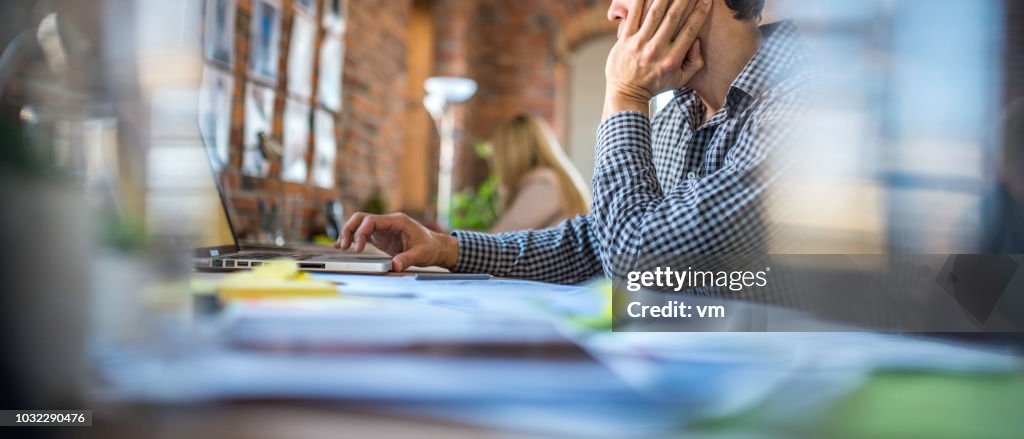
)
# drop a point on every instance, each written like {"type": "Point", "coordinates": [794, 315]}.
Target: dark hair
{"type": "Point", "coordinates": [745, 9]}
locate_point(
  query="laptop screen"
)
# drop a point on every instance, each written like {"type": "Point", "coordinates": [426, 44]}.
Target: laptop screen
{"type": "Point", "coordinates": [219, 237]}
{"type": "Point", "coordinates": [182, 200]}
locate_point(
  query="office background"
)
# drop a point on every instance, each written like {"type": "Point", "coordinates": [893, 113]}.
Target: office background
{"type": "Point", "coordinates": [912, 146]}
{"type": "Point", "coordinates": [547, 58]}
{"type": "Point", "coordinates": [519, 53]}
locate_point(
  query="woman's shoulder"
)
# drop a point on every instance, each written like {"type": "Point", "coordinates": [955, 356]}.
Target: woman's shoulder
{"type": "Point", "coordinates": [542, 175]}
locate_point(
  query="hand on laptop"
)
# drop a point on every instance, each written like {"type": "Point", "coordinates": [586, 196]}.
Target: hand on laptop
{"type": "Point", "coordinates": [405, 239]}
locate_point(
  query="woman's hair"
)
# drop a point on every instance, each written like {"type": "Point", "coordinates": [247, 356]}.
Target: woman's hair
{"type": "Point", "coordinates": [525, 143]}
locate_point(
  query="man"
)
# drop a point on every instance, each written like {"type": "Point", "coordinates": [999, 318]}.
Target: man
{"type": "Point", "coordinates": [688, 182]}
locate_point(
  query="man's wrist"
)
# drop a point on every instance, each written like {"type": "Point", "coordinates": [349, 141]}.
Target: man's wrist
{"type": "Point", "coordinates": [617, 102]}
{"type": "Point", "coordinates": [449, 251]}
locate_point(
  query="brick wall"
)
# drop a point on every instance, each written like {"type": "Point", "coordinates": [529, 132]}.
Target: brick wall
{"type": "Point", "coordinates": [374, 84]}
{"type": "Point", "coordinates": [368, 128]}
{"type": "Point", "coordinates": [515, 50]}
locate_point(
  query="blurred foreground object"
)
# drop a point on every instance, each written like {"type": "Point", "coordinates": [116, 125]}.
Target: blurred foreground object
{"type": "Point", "coordinates": [93, 253]}
{"type": "Point", "coordinates": [896, 155]}
{"type": "Point", "coordinates": [57, 163]}
{"type": "Point", "coordinates": [1004, 208]}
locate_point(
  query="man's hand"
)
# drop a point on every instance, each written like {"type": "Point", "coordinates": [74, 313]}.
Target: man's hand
{"type": "Point", "coordinates": [406, 240]}
{"type": "Point", "coordinates": [654, 53]}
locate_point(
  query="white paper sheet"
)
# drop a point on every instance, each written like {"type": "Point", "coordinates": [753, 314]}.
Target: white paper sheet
{"type": "Point", "coordinates": [219, 31]}
{"type": "Point", "coordinates": [334, 16]}
{"type": "Point", "coordinates": [265, 39]}
{"type": "Point", "coordinates": [325, 149]}
{"type": "Point", "coordinates": [215, 115]}
{"type": "Point", "coordinates": [331, 60]}
{"type": "Point", "coordinates": [307, 7]}
{"type": "Point", "coordinates": [498, 296]}
{"type": "Point", "coordinates": [373, 323]}
{"type": "Point", "coordinates": [673, 378]}
{"type": "Point", "coordinates": [296, 141]}
{"type": "Point", "coordinates": [381, 377]}
{"type": "Point", "coordinates": [259, 116]}
{"type": "Point", "coordinates": [300, 57]}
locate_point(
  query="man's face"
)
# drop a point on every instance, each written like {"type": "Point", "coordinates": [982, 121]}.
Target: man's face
{"type": "Point", "coordinates": [619, 10]}
{"type": "Point", "coordinates": [617, 13]}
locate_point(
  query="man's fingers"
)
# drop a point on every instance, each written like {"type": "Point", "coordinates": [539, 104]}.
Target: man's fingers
{"type": "Point", "coordinates": [655, 17]}
{"type": "Point", "coordinates": [362, 234]}
{"type": "Point", "coordinates": [414, 255]}
{"type": "Point", "coordinates": [691, 5]}
{"type": "Point", "coordinates": [374, 224]}
{"type": "Point", "coordinates": [634, 17]}
{"type": "Point", "coordinates": [675, 16]}
{"type": "Point", "coordinates": [403, 261]}
{"type": "Point", "coordinates": [691, 29]}
{"type": "Point", "coordinates": [345, 238]}
{"type": "Point", "coordinates": [688, 34]}
{"type": "Point", "coordinates": [694, 60]}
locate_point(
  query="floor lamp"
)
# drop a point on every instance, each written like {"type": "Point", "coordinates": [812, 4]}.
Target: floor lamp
{"type": "Point", "coordinates": [442, 92]}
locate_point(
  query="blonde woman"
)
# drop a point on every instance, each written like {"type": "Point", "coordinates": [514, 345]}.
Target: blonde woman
{"type": "Point", "coordinates": [539, 187]}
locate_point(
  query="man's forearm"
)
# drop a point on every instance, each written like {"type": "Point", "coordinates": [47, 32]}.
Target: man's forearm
{"type": "Point", "coordinates": [625, 183]}
{"type": "Point", "coordinates": [616, 102]}
{"type": "Point", "coordinates": [563, 254]}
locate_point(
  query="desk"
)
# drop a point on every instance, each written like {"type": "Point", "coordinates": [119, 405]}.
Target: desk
{"type": "Point", "coordinates": [879, 405]}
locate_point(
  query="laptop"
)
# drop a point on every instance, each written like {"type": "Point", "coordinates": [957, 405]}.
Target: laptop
{"type": "Point", "coordinates": [222, 252]}
{"type": "Point", "coordinates": [228, 255]}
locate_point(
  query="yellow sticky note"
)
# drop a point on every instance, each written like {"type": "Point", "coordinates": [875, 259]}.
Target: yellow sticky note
{"type": "Point", "coordinates": [280, 279]}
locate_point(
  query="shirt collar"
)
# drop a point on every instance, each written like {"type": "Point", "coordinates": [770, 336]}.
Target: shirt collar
{"type": "Point", "coordinates": [781, 52]}
{"type": "Point", "coordinates": [779, 56]}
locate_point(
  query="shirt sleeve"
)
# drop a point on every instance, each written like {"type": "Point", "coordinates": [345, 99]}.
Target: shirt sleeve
{"type": "Point", "coordinates": [564, 254]}
{"type": "Point", "coordinates": [536, 205]}
{"type": "Point", "coordinates": [634, 217]}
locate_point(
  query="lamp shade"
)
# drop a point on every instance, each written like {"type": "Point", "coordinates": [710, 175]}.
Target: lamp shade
{"type": "Point", "coordinates": [435, 105]}
{"type": "Point", "coordinates": [453, 89]}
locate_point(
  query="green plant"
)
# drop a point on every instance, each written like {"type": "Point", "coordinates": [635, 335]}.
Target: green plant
{"type": "Point", "coordinates": [376, 204]}
{"type": "Point", "coordinates": [476, 209]}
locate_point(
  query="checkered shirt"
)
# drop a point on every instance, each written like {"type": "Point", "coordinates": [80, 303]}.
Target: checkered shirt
{"type": "Point", "coordinates": [671, 186]}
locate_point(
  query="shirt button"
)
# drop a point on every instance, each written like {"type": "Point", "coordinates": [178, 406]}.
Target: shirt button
{"type": "Point", "coordinates": [691, 176]}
